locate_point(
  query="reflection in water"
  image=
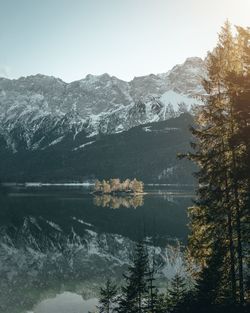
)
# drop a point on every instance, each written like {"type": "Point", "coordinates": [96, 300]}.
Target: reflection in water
{"type": "Point", "coordinates": [67, 302]}
{"type": "Point", "coordinates": [53, 242]}
{"type": "Point", "coordinates": [115, 202]}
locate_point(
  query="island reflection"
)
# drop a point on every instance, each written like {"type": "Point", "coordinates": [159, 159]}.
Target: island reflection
{"type": "Point", "coordinates": [115, 202]}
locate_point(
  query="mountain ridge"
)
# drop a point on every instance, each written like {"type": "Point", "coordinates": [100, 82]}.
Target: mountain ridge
{"type": "Point", "coordinates": [95, 104]}
{"type": "Point", "coordinates": [163, 74]}
{"type": "Point", "coordinates": [40, 113]}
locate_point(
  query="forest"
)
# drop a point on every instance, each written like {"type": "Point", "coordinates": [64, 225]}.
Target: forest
{"type": "Point", "coordinates": [217, 253]}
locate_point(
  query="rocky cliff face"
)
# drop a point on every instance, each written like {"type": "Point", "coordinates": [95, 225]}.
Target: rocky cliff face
{"type": "Point", "coordinates": [39, 111]}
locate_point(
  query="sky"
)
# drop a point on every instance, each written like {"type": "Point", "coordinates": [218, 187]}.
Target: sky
{"type": "Point", "coordinates": [125, 38]}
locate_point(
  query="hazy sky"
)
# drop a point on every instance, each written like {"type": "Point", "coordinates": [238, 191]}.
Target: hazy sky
{"type": "Point", "coordinates": [126, 38]}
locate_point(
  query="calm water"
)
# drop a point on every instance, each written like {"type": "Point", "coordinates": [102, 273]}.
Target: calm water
{"type": "Point", "coordinates": [58, 244]}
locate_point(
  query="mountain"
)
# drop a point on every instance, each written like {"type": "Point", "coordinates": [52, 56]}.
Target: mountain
{"type": "Point", "coordinates": [148, 152]}
{"type": "Point", "coordinates": [45, 120]}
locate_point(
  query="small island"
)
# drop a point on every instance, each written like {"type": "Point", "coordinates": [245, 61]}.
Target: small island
{"type": "Point", "coordinates": [116, 186]}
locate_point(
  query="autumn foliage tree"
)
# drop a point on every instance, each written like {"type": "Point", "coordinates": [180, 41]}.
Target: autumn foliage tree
{"type": "Point", "coordinates": [115, 185]}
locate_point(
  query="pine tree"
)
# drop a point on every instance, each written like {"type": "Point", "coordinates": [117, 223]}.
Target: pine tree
{"type": "Point", "coordinates": [209, 282]}
{"type": "Point", "coordinates": [107, 301]}
{"type": "Point", "coordinates": [237, 83]}
{"type": "Point", "coordinates": [152, 292]}
{"type": "Point", "coordinates": [220, 210]}
{"type": "Point", "coordinates": [139, 285]}
{"type": "Point", "coordinates": [162, 304]}
{"type": "Point", "coordinates": [176, 292]}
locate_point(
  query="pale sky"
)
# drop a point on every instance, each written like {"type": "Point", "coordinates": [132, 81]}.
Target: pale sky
{"type": "Point", "coordinates": [125, 38]}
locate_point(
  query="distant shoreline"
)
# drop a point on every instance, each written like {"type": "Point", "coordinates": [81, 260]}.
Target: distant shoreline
{"type": "Point", "coordinates": [118, 193]}
{"type": "Point", "coordinates": [40, 184]}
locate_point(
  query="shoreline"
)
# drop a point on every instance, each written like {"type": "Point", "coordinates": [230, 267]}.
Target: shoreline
{"type": "Point", "coordinates": [41, 184]}
{"type": "Point", "coordinates": [119, 193]}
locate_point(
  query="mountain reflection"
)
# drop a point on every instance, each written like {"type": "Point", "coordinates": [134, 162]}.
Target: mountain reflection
{"type": "Point", "coordinates": [59, 240]}
{"type": "Point", "coordinates": [116, 202]}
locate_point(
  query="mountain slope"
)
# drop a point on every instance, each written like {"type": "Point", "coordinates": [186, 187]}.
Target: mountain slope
{"type": "Point", "coordinates": [148, 152]}
{"type": "Point", "coordinates": [95, 127]}
{"type": "Point", "coordinates": [31, 107]}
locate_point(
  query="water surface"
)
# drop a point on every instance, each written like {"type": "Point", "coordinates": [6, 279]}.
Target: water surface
{"type": "Point", "coordinates": [58, 244]}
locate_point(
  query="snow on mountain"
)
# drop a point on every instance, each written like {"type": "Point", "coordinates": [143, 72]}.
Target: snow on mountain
{"type": "Point", "coordinates": [186, 78]}
{"type": "Point", "coordinates": [39, 111]}
{"type": "Point", "coordinates": [179, 102]}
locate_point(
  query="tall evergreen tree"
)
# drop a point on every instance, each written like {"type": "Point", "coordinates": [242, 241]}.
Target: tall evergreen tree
{"type": "Point", "coordinates": [107, 301]}
{"type": "Point", "coordinates": [162, 303]}
{"type": "Point", "coordinates": [139, 293]}
{"type": "Point", "coordinates": [176, 292]}
{"type": "Point", "coordinates": [208, 285]}
{"type": "Point", "coordinates": [152, 291]}
{"type": "Point", "coordinates": [223, 158]}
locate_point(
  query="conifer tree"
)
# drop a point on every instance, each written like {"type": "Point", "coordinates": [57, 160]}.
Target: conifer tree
{"type": "Point", "coordinates": [176, 292]}
{"type": "Point", "coordinates": [223, 158]}
{"type": "Point", "coordinates": [162, 303]}
{"type": "Point", "coordinates": [138, 295]}
{"type": "Point", "coordinates": [210, 280]}
{"type": "Point", "coordinates": [107, 301]}
{"type": "Point", "coordinates": [152, 292]}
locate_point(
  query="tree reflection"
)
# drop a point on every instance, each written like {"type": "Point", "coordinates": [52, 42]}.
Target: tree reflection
{"type": "Point", "coordinates": [116, 202]}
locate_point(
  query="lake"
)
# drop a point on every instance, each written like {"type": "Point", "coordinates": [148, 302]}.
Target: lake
{"type": "Point", "coordinates": [58, 244]}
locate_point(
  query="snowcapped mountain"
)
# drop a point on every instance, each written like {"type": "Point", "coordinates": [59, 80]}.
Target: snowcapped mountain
{"type": "Point", "coordinates": [39, 111]}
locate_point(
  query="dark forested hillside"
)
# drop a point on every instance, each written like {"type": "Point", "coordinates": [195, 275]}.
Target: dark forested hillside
{"type": "Point", "coordinates": [148, 152]}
